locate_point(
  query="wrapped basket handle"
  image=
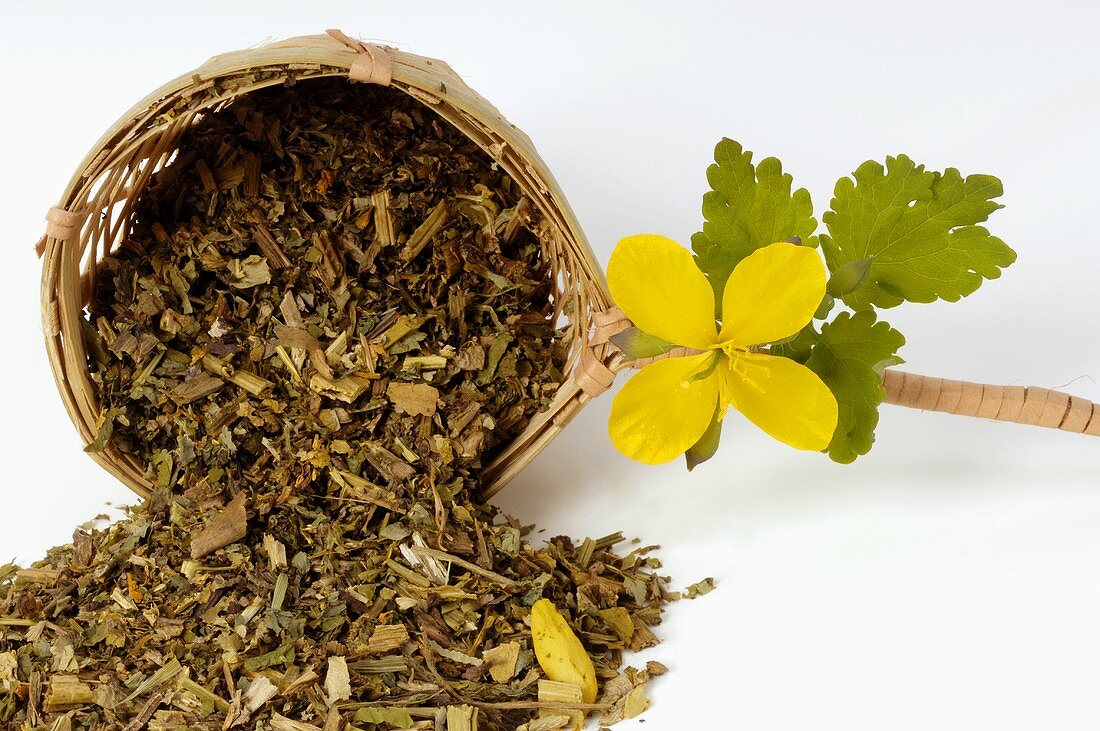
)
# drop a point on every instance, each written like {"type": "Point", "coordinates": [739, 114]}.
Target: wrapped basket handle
{"type": "Point", "coordinates": [1018, 404]}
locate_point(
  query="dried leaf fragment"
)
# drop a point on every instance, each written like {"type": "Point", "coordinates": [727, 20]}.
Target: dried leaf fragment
{"type": "Point", "coordinates": [625, 694]}
{"type": "Point", "coordinates": [251, 271]}
{"type": "Point", "coordinates": [633, 704]}
{"type": "Point", "coordinates": [295, 337]}
{"type": "Point", "coordinates": [502, 660]}
{"type": "Point", "coordinates": [547, 723]}
{"type": "Point", "coordinates": [618, 618]}
{"type": "Point", "coordinates": [454, 655]}
{"type": "Point", "coordinates": [395, 717]}
{"type": "Point", "coordinates": [699, 588]}
{"type": "Point", "coordinates": [337, 680]}
{"type": "Point", "coordinates": [413, 398]}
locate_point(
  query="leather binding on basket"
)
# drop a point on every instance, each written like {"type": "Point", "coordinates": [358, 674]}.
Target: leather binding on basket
{"type": "Point", "coordinates": [95, 212]}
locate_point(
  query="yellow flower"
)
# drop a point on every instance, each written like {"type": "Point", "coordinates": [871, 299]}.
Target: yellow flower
{"type": "Point", "coordinates": [772, 294]}
{"type": "Point", "coordinates": [560, 654]}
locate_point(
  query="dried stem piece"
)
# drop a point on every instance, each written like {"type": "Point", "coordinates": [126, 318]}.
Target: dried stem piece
{"type": "Point", "coordinates": [229, 526]}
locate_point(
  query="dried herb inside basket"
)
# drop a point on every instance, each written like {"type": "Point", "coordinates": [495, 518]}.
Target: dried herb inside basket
{"type": "Point", "coordinates": [329, 288]}
{"type": "Point", "coordinates": [319, 617]}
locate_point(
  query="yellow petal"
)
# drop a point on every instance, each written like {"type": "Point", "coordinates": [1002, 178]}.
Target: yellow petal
{"type": "Point", "coordinates": [664, 408]}
{"type": "Point", "coordinates": [784, 398]}
{"type": "Point", "coordinates": [772, 294]}
{"type": "Point", "coordinates": [560, 654]}
{"type": "Point", "coordinates": [656, 283]}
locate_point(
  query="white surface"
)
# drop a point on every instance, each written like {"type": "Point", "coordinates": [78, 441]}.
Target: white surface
{"type": "Point", "coordinates": [950, 580]}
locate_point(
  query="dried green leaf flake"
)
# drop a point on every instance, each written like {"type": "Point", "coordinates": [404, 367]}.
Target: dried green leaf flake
{"type": "Point", "coordinates": [392, 717]}
{"type": "Point", "coordinates": [749, 207]}
{"type": "Point", "coordinates": [699, 588]}
{"type": "Point", "coordinates": [919, 229]}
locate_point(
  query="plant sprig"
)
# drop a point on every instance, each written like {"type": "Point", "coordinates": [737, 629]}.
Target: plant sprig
{"type": "Point", "coordinates": [895, 233]}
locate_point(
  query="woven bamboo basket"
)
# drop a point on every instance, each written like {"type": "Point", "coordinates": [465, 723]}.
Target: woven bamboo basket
{"type": "Point", "coordinates": [96, 210]}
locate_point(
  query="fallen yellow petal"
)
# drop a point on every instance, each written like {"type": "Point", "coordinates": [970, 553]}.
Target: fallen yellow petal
{"type": "Point", "coordinates": [560, 654]}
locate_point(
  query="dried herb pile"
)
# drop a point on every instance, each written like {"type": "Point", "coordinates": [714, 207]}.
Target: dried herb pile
{"type": "Point", "coordinates": [330, 312]}
{"type": "Point", "coordinates": [317, 619]}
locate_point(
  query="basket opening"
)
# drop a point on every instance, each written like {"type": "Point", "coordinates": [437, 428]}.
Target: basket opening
{"type": "Point", "coordinates": [149, 208]}
{"type": "Point", "coordinates": [124, 181]}
{"type": "Point", "coordinates": [146, 141]}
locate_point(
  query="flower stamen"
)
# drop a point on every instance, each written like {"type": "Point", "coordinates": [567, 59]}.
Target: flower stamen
{"type": "Point", "coordinates": [704, 371]}
{"type": "Point", "coordinates": [751, 373]}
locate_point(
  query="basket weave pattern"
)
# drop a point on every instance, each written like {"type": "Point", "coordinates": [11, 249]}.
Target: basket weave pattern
{"type": "Point", "coordinates": [96, 211]}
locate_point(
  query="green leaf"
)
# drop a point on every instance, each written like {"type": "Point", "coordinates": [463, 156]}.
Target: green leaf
{"type": "Point", "coordinates": [849, 277]}
{"type": "Point", "coordinates": [826, 306]}
{"type": "Point", "coordinates": [919, 229]}
{"type": "Point", "coordinates": [105, 427]}
{"type": "Point", "coordinates": [850, 354]}
{"type": "Point", "coordinates": [707, 445]}
{"type": "Point", "coordinates": [637, 344]}
{"type": "Point", "coordinates": [748, 208]}
{"type": "Point", "coordinates": [393, 717]}
{"type": "Point", "coordinates": [797, 347]}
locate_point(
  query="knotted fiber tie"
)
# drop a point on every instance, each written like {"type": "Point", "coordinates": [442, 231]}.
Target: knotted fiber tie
{"type": "Point", "coordinates": [373, 65]}
{"type": "Point", "coordinates": [592, 375]}
{"type": "Point", "coordinates": [62, 224]}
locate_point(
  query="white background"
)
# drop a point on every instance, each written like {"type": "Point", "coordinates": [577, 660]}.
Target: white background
{"type": "Point", "coordinates": [950, 580]}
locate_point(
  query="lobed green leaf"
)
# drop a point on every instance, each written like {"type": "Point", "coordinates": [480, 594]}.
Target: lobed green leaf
{"type": "Point", "coordinates": [849, 354]}
{"type": "Point", "coordinates": [747, 208]}
{"type": "Point", "coordinates": [918, 228]}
